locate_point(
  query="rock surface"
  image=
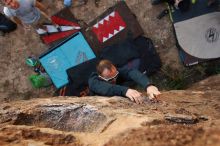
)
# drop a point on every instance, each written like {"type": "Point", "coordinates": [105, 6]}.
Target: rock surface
{"type": "Point", "coordinates": [211, 83]}
{"type": "Point", "coordinates": [99, 121]}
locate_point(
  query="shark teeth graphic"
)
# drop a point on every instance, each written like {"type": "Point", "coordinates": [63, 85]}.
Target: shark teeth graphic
{"type": "Point", "coordinates": [115, 24]}
{"type": "Point", "coordinates": [121, 28]}
{"type": "Point", "coordinates": [112, 14]}
{"type": "Point", "coordinates": [115, 32]}
{"type": "Point", "coordinates": [101, 22]}
{"type": "Point", "coordinates": [110, 35]}
{"type": "Point", "coordinates": [105, 39]}
{"type": "Point", "coordinates": [96, 25]}
{"type": "Point", "coordinates": [107, 18]}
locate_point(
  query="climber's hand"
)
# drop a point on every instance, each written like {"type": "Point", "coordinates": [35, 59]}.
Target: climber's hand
{"type": "Point", "coordinates": [153, 92]}
{"type": "Point", "coordinates": [134, 96]}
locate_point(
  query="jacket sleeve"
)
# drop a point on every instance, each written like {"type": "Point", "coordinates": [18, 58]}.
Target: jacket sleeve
{"type": "Point", "coordinates": [106, 89]}
{"type": "Point", "coordinates": [136, 76]}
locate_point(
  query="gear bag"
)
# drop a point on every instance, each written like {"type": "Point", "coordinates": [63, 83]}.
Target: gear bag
{"type": "Point", "coordinates": [6, 25]}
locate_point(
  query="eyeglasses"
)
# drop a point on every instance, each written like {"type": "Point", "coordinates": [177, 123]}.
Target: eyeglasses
{"type": "Point", "coordinates": [111, 78]}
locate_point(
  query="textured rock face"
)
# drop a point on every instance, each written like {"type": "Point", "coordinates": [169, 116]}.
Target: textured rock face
{"type": "Point", "coordinates": [65, 117]}
{"type": "Point", "coordinates": [25, 136]}
{"type": "Point", "coordinates": [211, 83]}
{"type": "Point", "coordinates": [166, 135]}
{"type": "Point", "coordinates": [179, 118]}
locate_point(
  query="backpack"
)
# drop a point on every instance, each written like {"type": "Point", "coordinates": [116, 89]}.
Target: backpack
{"type": "Point", "coordinates": [149, 59]}
{"type": "Point", "coordinates": [6, 25]}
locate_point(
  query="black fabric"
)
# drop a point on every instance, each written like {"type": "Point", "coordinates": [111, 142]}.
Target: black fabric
{"type": "Point", "coordinates": [197, 9]}
{"type": "Point", "coordinates": [149, 59]}
{"type": "Point", "coordinates": [120, 54]}
{"type": "Point", "coordinates": [79, 74]}
{"type": "Point", "coordinates": [68, 90]}
{"type": "Point", "coordinates": [71, 90]}
{"type": "Point", "coordinates": [6, 25]}
{"type": "Point", "coordinates": [78, 79]}
{"type": "Point", "coordinates": [170, 2]}
{"type": "Point", "coordinates": [184, 5]}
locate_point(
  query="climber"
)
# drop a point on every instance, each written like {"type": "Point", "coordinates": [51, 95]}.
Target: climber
{"type": "Point", "coordinates": [106, 80]}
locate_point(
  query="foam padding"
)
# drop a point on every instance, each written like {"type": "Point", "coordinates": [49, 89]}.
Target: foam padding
{"type": "Point", "coordinates": [62, 18]}
{"type": "Point", "coordinates": [73, 51]}
{"type": "Point", "coordinates": [109, 27]}
{"type": "Point", "coordinates": [113, 26]}
{"type": "Point", "coordinates": [197, 32]}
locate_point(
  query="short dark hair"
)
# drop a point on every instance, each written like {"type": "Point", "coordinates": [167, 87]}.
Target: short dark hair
{"type": "Point", "coordinates": [184, 5]}
{"type": "Point", "coordinates": [103, 64]}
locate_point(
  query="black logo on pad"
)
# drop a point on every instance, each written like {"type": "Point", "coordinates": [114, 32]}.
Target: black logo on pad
{"type": "Point", "coordinates": [212, 35]}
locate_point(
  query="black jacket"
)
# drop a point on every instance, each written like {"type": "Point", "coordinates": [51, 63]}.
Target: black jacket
{"type": "Point", "coordinates": [100, 87]}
